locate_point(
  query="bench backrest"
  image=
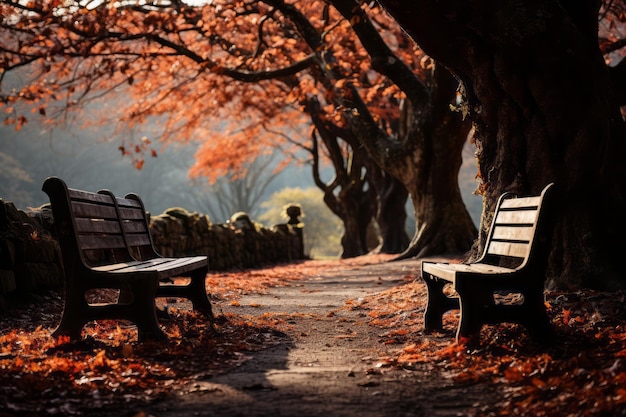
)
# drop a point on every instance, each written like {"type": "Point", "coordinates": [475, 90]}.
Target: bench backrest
{"type": "Point", "coordinates": [87, 225]}
{"type": "Point", "coordinates": [136, 227]}
{"type": "Point", "coordinates": [514, 229]}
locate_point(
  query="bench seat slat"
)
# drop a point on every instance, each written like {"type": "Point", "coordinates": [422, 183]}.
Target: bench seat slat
{"type": "Point", "coordinates": [449, 271]}
{"type": "Point", "coordinates": [116, 267]}
{"type": "Point", "coordinates": [170, 266]}
{"type": "Point", "coordinates": [158, 266]}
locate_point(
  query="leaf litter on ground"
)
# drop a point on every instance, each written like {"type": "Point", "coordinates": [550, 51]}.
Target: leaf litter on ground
{"type": "Point", "coordinates": [583, 373]}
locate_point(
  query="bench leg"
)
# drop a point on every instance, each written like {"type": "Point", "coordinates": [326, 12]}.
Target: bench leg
{"type": "Point", "coordinates": [76, 310]}
{"type": "Point", "coordinates": [537, 320]}
{"type": "Point", "coordinates": [474, 307]}
{"type": "Point", "coordinates": [198, 294]}
{"type": "Point", "coordinates": [73, 319]}
{"type": "Point", "coordinates": [138, 306]}
{"type": "Point", "coordinates": [144, 308]}
{"type": "Point", "coordinates": [438, 303]}
{"type": "Point", "coordinates": [478, 307]}
{"type": "Point", "coordinates": [194, 291]}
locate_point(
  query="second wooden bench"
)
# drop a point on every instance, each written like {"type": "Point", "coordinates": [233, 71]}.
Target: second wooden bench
{"type": "Point", "coordinates": [513, 262]}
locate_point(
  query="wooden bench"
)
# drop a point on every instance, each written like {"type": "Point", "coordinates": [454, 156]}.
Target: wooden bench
{"type": "Point", "coordinates": [513, 263]}
{"type": "Point", "coordinates": [105, 243]}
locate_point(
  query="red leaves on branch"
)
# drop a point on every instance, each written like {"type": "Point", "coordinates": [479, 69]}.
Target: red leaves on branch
{"type": "Point", "coordinates": [218, 73]}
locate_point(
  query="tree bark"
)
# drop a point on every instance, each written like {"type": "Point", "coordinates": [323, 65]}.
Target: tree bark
{"type": "Point", "coordinates": [391, 215]}
{"type": "Point", "coordinates": [353, 206]}
{"type": "Point", "coordinates": [540, 97]}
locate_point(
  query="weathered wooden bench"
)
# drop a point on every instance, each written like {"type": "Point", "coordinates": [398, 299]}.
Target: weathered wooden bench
{"type": "Point", "coordinates": [105, 243]}
{"type": "Point", "coordinates": [513, 262]}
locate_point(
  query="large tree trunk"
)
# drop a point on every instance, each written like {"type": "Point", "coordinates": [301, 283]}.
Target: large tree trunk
{"type": "Point", "coordinates": [426, 154]}
{"type": "Point", "coordinates": [428, 165]}
{"type": "Point", "coordinates": [443, 224]}
{"type": "Point", "coordinates": [538, 92]}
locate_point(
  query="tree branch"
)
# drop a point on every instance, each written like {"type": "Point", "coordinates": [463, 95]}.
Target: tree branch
{"type": "Point", "coordinates": [383, 59]}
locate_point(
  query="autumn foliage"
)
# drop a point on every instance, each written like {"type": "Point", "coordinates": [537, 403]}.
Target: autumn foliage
{"type": "Point", "coordinates": [218, 74]}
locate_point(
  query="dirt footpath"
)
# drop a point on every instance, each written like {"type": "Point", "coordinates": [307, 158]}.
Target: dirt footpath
{"type": "Point", "coordinates": [327, 363]}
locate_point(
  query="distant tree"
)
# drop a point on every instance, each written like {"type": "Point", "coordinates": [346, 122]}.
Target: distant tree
{"type": "Point", "coordinates": [348, 194]}
{"type": "Point", "coordinates": [234, 193]}
{"type": "Point", "coordinates": [322, 230]}
{"type": "Point", "coordinates": [421, 146]}
{"type": "Point", "coordinates": [392, 223]}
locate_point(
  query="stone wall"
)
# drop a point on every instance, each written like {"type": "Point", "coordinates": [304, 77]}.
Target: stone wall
{"type": "Point", "coordinates": [30, 257]}
{"type": "Point", "coordinates": [239, 243]}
